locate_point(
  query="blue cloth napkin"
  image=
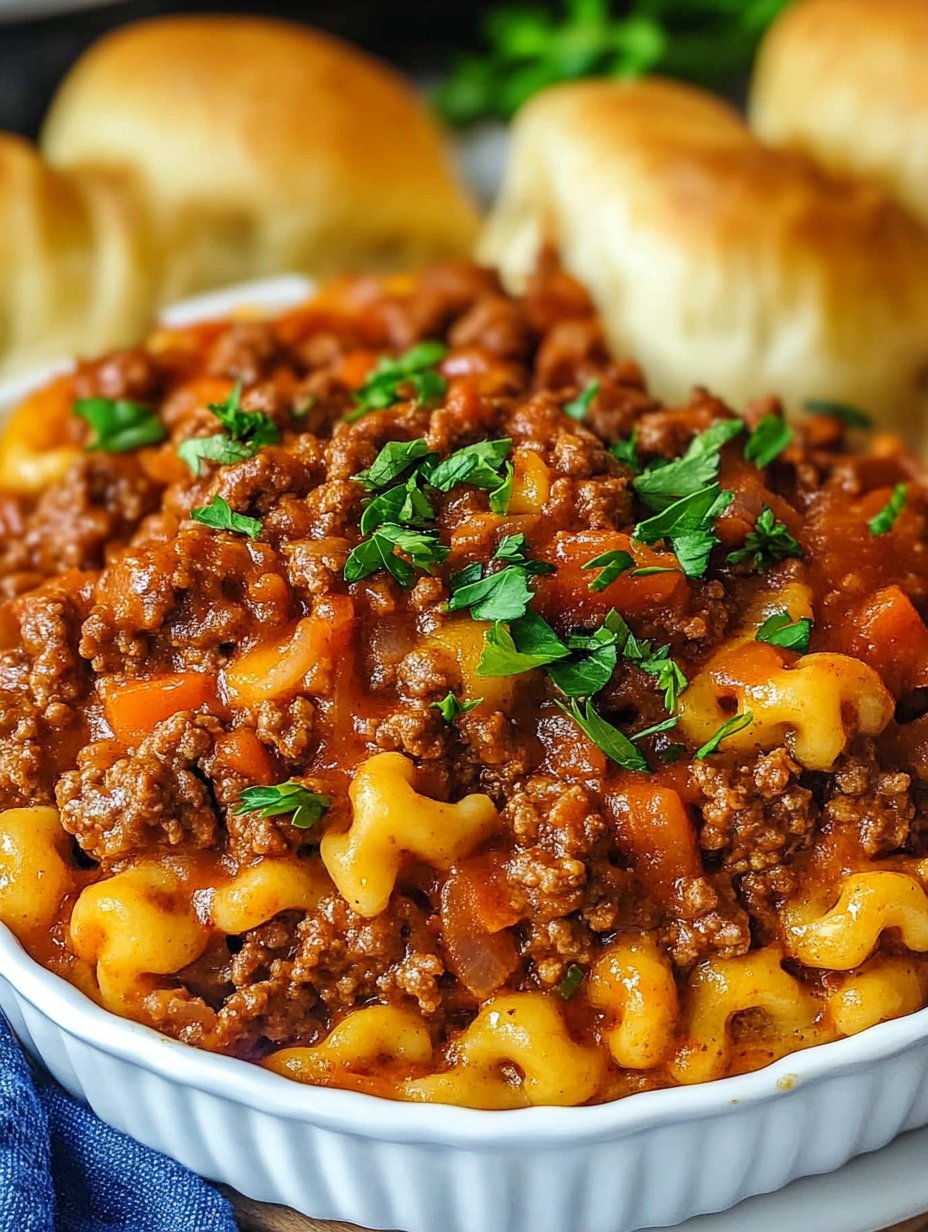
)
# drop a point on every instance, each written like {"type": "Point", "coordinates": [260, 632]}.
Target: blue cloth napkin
{"type": "Point", "coordinates": [63, 1170]}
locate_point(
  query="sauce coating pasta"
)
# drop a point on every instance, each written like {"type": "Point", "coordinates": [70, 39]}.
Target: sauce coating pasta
{"type": "Point", "coordinates": [395, 695]}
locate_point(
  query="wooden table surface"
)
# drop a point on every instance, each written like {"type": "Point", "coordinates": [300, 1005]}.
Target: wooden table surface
{"type": "Point", "coordinates": [256, 1217]}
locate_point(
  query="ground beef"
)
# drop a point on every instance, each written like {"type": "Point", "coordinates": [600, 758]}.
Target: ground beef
{"type": "Point", "coordinates": [878, 803]}
{"type": "Point", "coordinates": [151, 797]}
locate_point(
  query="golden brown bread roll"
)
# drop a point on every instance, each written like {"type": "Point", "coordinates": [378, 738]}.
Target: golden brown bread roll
{"type": "Point", "coordinates": [259, 147]}
{"type": "Point", "coordinates": [75, 271]}
{"type": "Point", "coordinates": [712, 258]}
{"type": "Point", "coordinates": [846, 81]}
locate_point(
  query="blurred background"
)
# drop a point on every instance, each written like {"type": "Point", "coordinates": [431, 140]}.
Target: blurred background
{"type": "Point", "coordinates": [490, 54]}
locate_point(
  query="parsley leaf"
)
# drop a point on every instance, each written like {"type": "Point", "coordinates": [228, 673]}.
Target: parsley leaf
{"type": "Point", "coordinates": [780, 630]}
{"type": "Point", "coordinates": [245, 433]}
{"type": "Point", "coordinates": [393, 375]}
{"type": "Point", "coordinates": [663, 484]}
{"type": "Point", "coordinates": [449, 707]}
{"type": "Point", "coordinates": [501, 495]}
{"type": "Point", "coordinates": [611, 564]}
{"type": "Point", "coordinates": [526, 643]}
{"type": "Point", "coordinates": [670, 678]}
{"type": "Point", "coordinates": [593, 658]}
{"type": "Point", "coordinates": [378, 553]}
{"type": "Point", "coordinates": [608, 739]}
{"type": "Point", "coordinates": [768, 440]}
{"type": "Point", "coordinates": [768, 543]}
{"type": "Point", "coordinates": [219, 515]}
{"type": "Point", "coordinates": [627, 451]}
{"type": "Point", "coordinates": [119, 426]}
{"type": "Point", "coordinates": [850, 416]}
{"type": "Point", "coordinates": [394, 458]}
{"type": "Point", "coordinates": [308, 807]}
{"type": "Point", "coordinates": [735, 724]}
{"type": "Point", "coordinates": [511, 548]}
{"type": "Point", "coordinates": [475, 464]}
{"type": "Point", "coordinates": [688, 524]}
{"type": "Point", "coordinates": [504, 595]}
{"type": "Point", "coordinates": [405, 503]}
{"type": "Point", "coordinates": [885, 520]}
{"type": "Point", "coordinates": [573, 978]}
{"type": "Point", "coordinates": [578, 408]}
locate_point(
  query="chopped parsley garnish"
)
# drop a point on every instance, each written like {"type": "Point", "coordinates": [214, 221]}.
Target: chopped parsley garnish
{"type": "Point", "coordinates": [885, 520]}
{"type": "Point", "coordinates": [504, 595]}
{"type": "Point", "coordinates": [520, 646]}
{"type": "Point", "coordinates": [394, 376]}
{"type": "Point", "coordinates": [405, 503]}
{"type": "Point", "coordinates": [781, 630]}
{"type": "Point", "coordinates": [501, 495]}
{"type": "Point", "coordinates": [478, 464]}
{"type": "Point", "coordinates": [394, 459]}
{"type": "Point", "coordinates": [573, 978]}
{"type": "Point", "coordinates": [664, 483]}
{"type": "Point", "coordinates": [768, 543]}
{"type": "Point", "coordinates": [449, 707]}
{"type": "Point", "coordinates": [688, 525]}
{"type": "Point", "coordinates": [851, 416]}
{"type": "Point", "coordinates": [627, 451]}
{"type": "Point", "coordinates": [218, 515]}
{"type": "Point", "coordinates": [308, 807]}
{"type": "Point", "coordinates": [245, 432]}
{"type": "Point", "coordinates": [578, 408]}
{"type": "Point", "coordinates": [608, 739]}
{"type": "Point", "coordinates": [735, 724]}
{"type": "Point", "coordinates": [377, 552]}
{"type": "Point", "coordinates": [119, 426]}
{"type": "Point", "coordinates": [658, 663]}
{"type": "Point", "coordinates": [611, 565]}
{"type": "Point", "coordinates": [768, 440]}
{"type": "Point", "coordinates": [593, 658]}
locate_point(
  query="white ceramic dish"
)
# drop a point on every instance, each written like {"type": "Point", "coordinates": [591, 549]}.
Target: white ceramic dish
{"type": "Point", "coordinates": [650, 1161]}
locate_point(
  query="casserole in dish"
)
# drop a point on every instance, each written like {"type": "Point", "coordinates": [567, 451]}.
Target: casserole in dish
{"type": "Point", "coordinates": [812, 969]}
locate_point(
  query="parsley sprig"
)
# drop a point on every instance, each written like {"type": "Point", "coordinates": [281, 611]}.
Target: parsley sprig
{"type": "Point", "coordinates": [412, 374]}
{"type": "Point", "coordinates": [730, 727]}
{"type": "Point", "coordinates": [120, 426]}
{"type": "Point", "coordinates": [781, 630]}
{"type": "Point", "coordinates": [503, 595]}
{"type": "Point", "coordinates": [530, 47]}
{"type": "Point", "coordinates": [885, 520]}
{"type": "Point", "coordinates": [850, 416]}
{"type": "Point", "coordinates": [688, 525]}
{"type": "Point", "coordinates": [220, 516]}
{"type": "Point", "coordinates": [767, 544]}
{"type": "Point", "coordinates": [450, 707]}
{"type": "Point", "coordinates": [308, 807]}
{"type": "Point", "coordinates": [663, 483]}
{"type": "Point", "coordinates": [244, 433]}
{"type": "Point", "coordinates": [578, 407]}
{"type": "Point", "coordinates": [768, 440]}
{"type": "Point", "coordinates": [379, 552]}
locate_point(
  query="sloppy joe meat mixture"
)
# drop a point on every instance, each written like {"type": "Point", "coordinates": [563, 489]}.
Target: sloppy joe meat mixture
{"type": "Point", "coordinates": [128, 701]}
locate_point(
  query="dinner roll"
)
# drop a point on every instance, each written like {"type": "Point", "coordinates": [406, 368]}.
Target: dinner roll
{"type": "Point", "coordinates": [259, 147]}
{"type": "Point", "coordinates": [74, 262]}
{"type": "Point", "coordinates": [713, 259]}
{"type": "Point", "coordinates": [846, 81]}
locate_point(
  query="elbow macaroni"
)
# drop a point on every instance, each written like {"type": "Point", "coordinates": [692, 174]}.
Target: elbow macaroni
{"type": "Point", "coordinates": [844, 936]}
{"type": "Point", "coordinates": [633, 982]}
{"type": "Point", "coordinates": [516, 1053]}
{"type": "Point", "coordinates": [391, 818]}
{"type": "Point", "coordinates": [134, 926]}
{"type": "Point", "coordinates": [262, 890]}
{"type": "Point", "coordinates": [816, 707]}
{"type": "Point", "coordinates": [364, 1038]}
{"type": "Point", "coordinates": [719, 989]}
{"type": "Point", "coordinates": [887, 987]}
{"type": "Point", "coordinates": [35, 871]}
